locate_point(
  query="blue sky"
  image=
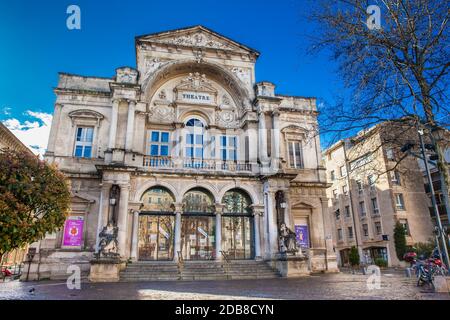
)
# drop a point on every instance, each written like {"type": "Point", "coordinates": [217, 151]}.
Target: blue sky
{"type": "Point", "coordinates": [36, 45]}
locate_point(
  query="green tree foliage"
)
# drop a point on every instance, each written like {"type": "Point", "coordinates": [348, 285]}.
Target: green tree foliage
{"type": "Point", "coordinates": [34, 199]}
{"type": "Point", "coordinates": [354, 256]}
{"type": "Point", "coordinates": [424, 248]}
{"type": "Point", "coordinates": [400, 240]}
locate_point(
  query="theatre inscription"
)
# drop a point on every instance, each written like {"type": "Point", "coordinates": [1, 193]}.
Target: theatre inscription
{"type": "Point", "coordinates": [196, 97]}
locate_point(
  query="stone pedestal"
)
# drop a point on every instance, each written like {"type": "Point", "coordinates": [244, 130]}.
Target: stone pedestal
{"type": "Point", "coordinates": [441, 284]}
{"type": "Point", "coordinates": [106, 270]}
{"type": "Point", "coordinates": [292, 266]}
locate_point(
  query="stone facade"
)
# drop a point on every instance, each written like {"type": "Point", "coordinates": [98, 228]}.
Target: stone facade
{"type": "Point", "coordinates": [372, 187]}
{"type": "Point", "coordinates": [190, 117]}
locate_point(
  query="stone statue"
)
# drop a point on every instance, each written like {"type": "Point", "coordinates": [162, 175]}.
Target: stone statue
{"type": "Point", "coordinates": [108, 245]}
{"type": "Point", "coordinates": [288, 241]}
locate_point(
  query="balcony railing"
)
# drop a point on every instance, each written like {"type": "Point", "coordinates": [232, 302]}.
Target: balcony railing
{"type": "Point", "coordinates": [197, 164]}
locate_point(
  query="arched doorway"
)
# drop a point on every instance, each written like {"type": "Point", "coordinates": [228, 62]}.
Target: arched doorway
{"type": "Point", "coordinates": [198, 225]}
{"type": "Point", "coordinates": [237, 225]}
{"type": "Point", "coordinates": [156, 225]}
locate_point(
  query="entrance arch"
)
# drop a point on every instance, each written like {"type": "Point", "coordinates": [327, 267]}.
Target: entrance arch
{"type": "Point", "coordinates": [237, 225]}
{"type": "Point", "coordinates": [172, 69]}
{"type": "Point", "coordinates": [156, 225]}
{"type": "Point", "coordinates": [198, 225]}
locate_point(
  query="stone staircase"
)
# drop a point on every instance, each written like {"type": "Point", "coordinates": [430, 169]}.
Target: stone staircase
{"type": "Point", "coordinates": [197, 270]}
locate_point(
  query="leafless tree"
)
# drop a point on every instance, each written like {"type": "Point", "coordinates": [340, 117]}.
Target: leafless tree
{"type": "Point", "coordinates": [398, 72]}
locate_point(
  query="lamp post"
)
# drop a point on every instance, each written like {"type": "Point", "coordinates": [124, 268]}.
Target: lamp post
{"type": "Point", "coordinates": [433, 198]}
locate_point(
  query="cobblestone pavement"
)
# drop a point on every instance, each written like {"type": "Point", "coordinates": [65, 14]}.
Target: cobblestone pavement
{"type": "Point", "coordinates": [394, 285]}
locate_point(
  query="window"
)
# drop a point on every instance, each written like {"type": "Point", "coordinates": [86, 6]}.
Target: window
{"type": "Point", "coordinates": [390, 154]}
{"type": "Point", "coordinates": [405, 225]}
{"type": "Point", "coordinates": [339, 233]}
{"type": "Point", "coordinates": [338, 214]}
{"type": "Point", "coordinates": [194, 139]}
{"type": "Point", "coordinates": [350, 232]}
{"type": "Point", "coordinates": [374, 205]}
{"type": "Point", "coordinates": [371, 181]}
{"type": "Point", "coordinates": [332, 175]}
{"type": "Point", "coordinates": [378, 227]}
{"type": "Point", "coordinates": [399, 202]}
{"type": "Point", "coordinates": [347, 211]}
{"type": "Point", "coordinates": [83, 142]}
{"type": "Point", "coordinates": [362, 208]}
{"type": "Point", "coordinates": [365, 228]}
{"type": "Point", "coordinates": [228, 148]}
{"type": "Point", "coordinates": [395, 177]}
{"type": "Point", "coordinates": [295, 154]}
{"type": "Point", "coordinates": [158, 143]}
{"type": "Point", "coordinates": [335, 194]}
{"type": "Point", "coordinates": [343, 171]}
{"type": "Point", "coordinates": [359, 186]}
{"type": "Point", "coordinates": [345, 190]}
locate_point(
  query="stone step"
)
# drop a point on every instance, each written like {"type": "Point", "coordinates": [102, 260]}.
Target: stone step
{"type": "Point", "coordinates": [198, 270]}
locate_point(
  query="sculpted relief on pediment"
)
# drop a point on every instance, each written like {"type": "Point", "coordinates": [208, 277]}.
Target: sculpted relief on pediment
{"type": "Point", "coordinates": [198, 39]}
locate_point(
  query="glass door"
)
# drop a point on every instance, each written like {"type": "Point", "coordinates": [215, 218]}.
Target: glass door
{"type": "Point", "coordinates": [156, 237]}
{"type": "Point", "coordinates": [237, 237]}
{"type": "Point", "coordinates": [198, 237]}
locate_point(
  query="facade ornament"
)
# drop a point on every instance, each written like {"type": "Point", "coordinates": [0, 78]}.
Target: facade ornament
{"type": "Point", "coordinates": [162, 95]}
{"type": "Point", "coordinates": [242, 74]}
{"type": "Point", "coordinates": [198, 53]}
{"type": "Point", "coordinates": [199, 39]}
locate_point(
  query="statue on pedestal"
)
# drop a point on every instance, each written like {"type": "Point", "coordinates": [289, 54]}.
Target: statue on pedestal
{"type": "Point", "coordinates": [108, 244]}
{"type": "Point", "coordinates": [288, 242]}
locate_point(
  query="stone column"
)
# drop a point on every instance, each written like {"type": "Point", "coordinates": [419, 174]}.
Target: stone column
{"type": "Point", "coordinates": [130, 125]}
{"type": "Point", "coordinates": [177, 237]}
{"type": "Point", "coordinates": [113, 128]}
{"type": "Point", "coordinates": [123, 219]}
{"type": "Point", "coordinates": [262, 139]}
{"type": "Point", "coordinates": [257, 212]}
{"type": "Point", "coordinates": [219, 209]}
{"type": "Point", "coordinates": [275, 154]}
{"type": "Point", "coordinates": [135, 239]}
{"type": "Point", "coordinates": [103, 210]}
{"type": "Point", "coordinates": [272, 224]}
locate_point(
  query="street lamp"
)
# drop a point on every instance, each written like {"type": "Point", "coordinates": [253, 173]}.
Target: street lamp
{"type": "Point", "coordinates": [433, 199]}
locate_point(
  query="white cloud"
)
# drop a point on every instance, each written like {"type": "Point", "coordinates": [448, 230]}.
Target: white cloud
{"type": "Point", "coordinates": [34, 132]}
{"type": "Point", "coordinates": [6, 111]}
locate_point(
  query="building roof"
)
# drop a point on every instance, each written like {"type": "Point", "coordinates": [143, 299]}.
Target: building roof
{"type": "Point", "coordinates": [194, 29]}
{"type": "Point", "coordinates": [9, 140]}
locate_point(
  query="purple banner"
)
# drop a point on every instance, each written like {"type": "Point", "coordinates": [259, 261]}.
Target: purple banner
{"type": "Point", "coordinates": [302, 235]}
{"type": "Point", "coordinates": [73, 233]}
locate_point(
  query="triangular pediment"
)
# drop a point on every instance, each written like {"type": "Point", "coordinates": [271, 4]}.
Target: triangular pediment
{"type": "Point", "coordinates": [196, 37]}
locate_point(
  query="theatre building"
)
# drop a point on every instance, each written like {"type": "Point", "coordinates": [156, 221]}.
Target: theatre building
{"type": "Point", "coordinates": [189, 157]}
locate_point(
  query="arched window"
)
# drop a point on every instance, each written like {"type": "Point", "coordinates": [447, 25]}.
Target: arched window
{"type": "Point", "coordinates": [194, 148]}
{"type": "Point", "coordinates": [198, 201]}
{"type": "Point", "coordinates": [157, 199]}
{"type": "Point", "coordinates": [194, 123]}
{"type": "Point", "coordinates": [237, 202]}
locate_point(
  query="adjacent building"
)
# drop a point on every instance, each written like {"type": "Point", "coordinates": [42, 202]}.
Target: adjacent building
{"type": "Point", "coordinates": [373, 185]}
{"type": "Point", "coordinates": [188, 156]}
{"type": "Point", "coordinates": [8, 140]}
